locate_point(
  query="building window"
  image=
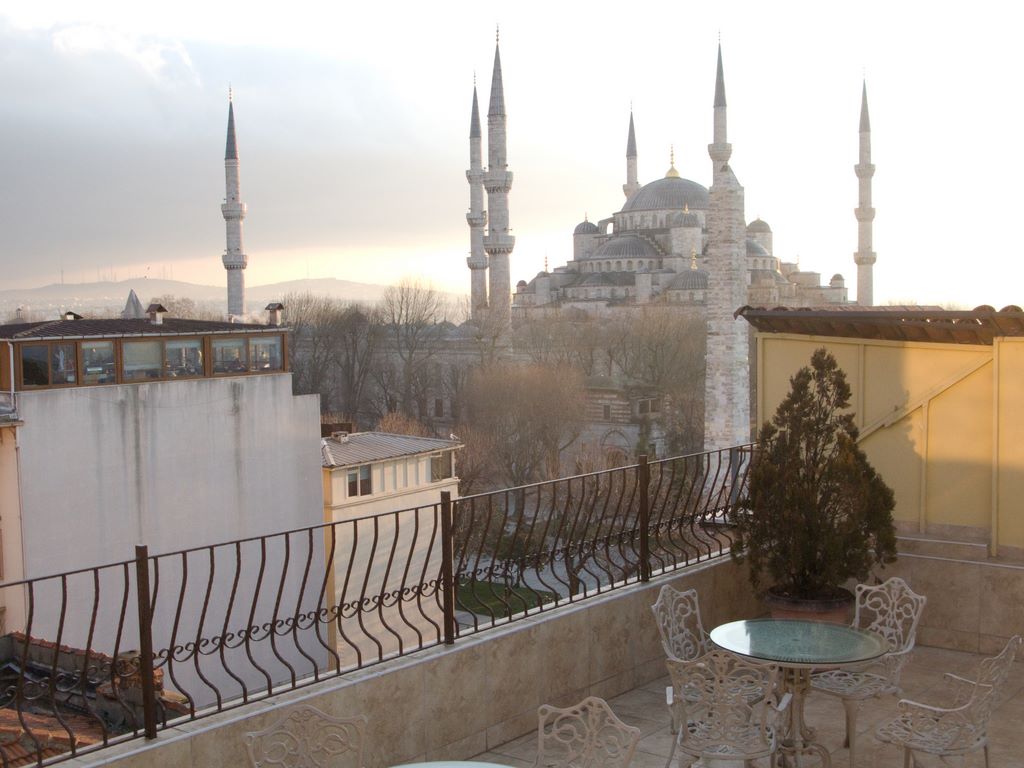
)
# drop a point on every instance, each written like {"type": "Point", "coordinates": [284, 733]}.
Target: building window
{"type": "Point", "coordinates": [440, 466]}
{"type": "Point", "coordinates": [141, 360]}
{"type": "Point", "coordinates": [650, 405]}
{"type": "Point", "coordinates": [183, 358]}
{"type": "Point", "coordinates": [98, 362]}
{"type": "Point", "coordinates": [265, 353]}
{"type": "Point", "coordinates": [438, 407]}
{"type": "Point", "coordinates": [35, 372]}
{"type": "Point", "coordinates": [360, 481]}
{"type": "Point", "coordinates": [229, 356]}
{"type": "Point", "coordinates": [607, 412]}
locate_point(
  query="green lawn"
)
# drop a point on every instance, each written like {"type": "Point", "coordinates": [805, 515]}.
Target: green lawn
{"type": "Point", "coordinates": [484, 598]}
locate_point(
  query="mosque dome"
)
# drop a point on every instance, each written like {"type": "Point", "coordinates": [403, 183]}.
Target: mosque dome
{"type": "Point", "coordinates": [586, 227]}
{"type": "Point", "coordinates": [755, 249]}
{"type": "Point", "coordinates": [671, 192]}
{"type": "Point", "coordinates": [690, 280]}
{"type": "Point", "coordinates": [626, 247]}
{"type": "Point", "coordinates": [758, 227]}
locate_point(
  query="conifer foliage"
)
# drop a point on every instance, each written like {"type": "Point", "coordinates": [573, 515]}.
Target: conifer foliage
{"type": "Point", "coordinates": [817, 512]}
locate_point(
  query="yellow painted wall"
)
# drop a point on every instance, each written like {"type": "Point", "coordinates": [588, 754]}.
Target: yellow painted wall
{"type": "Point", "coordinates": [1010, 481]}
{"type": "Point", "coordinates": [930, 424]}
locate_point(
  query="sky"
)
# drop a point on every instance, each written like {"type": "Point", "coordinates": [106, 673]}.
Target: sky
{"type": "Point", "coordinates": [353, 124]}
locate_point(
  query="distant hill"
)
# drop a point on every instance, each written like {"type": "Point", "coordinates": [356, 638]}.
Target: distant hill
{"type": "Point", "coordinates": [106, 297]}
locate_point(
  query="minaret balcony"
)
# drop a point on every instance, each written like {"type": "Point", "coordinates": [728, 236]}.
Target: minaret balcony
{"type": "Point", "coordinates": [234, 210]}
{"type": "Point", "coordinates": [476, 262]}
{"type": "Point", "coordinates": [864, 214]}
{"type": "Point", "coordinates": [476, 219]}
{"type": "Point", "coordinates": [235, 260]}
{"type": "Point", "coordinates": [864, 170]}
{"type": "Point", "coordinates": [498, 181]}
{"type": "Point", "coordinates": [475, 176]}
{"type": "Point", "coordinates": [495, 244]}
{"type": "Point", "coordinates": [864, 260]}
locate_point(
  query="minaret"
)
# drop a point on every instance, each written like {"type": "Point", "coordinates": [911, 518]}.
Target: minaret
{"type": "Point", "coordinates": [498, 181]}
{"type": "Point", "coordinates": [235, 260]}
{"type": "Point", "coordinates": [631, 186]}
{"type": "Point", "coordinates": [476, 218]}
{"type": "Point", "coordinates": [864, 257]}
{"type": "Point", "coordinates": [727, 370]}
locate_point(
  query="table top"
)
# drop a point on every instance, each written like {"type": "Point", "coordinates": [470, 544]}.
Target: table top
{"type": "Point", "coordinates": [450, 764]}
{"type": "Point", "coordinates": [793, 642]}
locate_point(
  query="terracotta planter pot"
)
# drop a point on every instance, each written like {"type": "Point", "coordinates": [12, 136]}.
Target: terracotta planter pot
{"type": "Point", "coordinates": [836, 610]}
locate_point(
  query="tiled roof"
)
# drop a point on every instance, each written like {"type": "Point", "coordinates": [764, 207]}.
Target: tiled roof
{"type": "Point", "coordinates": [72, 329]}
{"type": "Point", "coordinates": [365, 447]}
{"type": "Point", "coordinates": [929, 324]}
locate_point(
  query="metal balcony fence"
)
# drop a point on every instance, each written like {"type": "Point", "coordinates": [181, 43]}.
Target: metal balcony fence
{"type": "Point", "coordinates": [100, 655]}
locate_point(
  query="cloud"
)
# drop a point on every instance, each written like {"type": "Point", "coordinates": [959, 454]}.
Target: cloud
{"type": "Point", "coordinates": [165, 61]}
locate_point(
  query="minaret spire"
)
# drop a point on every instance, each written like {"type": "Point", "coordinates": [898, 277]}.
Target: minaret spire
{"type": "Point", "coordinates": [631, 186]}
{"type": "Point", "coordinates": [476, 218]}
{"type": "Point", "coordinates": [864, 257]}
{"type": "Point", "coordinates": [234, 258]}
{"type": "Point", "coordinates": [498, 242]}
{"type": "Point", "coordinates": [727, 367]}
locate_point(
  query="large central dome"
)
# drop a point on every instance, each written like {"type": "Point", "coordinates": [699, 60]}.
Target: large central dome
{"type": "Point", "coordinates": [669, 193]}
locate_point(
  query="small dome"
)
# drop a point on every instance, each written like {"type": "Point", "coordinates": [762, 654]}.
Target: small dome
{"type": "Point", "coordinates": [758, 227]}
{"type": "Point", "coordinates": [627, 247]}
{"type": "Point", "coordinates": [837, 281]}
{"type": "Point", "coordinates": [690, 280]}
{"type": "Point", "coordinates": [586, 228]}
{"type": "Point", "coordinates": [755, 249]}
{"type": "Point", "coordinates": [520, 285]}
{"type": "Point", "coordinates": [672, 192]}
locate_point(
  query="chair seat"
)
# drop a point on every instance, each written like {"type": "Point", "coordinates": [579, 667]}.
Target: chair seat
{"type": "Point", "coordinates": [852, 685]}
{"type": "Point", "coordinates": [704, 739]}
{"type": "Point", "coordinates": [932, 735]}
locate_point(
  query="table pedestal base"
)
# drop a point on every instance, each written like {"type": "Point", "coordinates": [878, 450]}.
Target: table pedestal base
{"type": "Point", "coordinates": [797, 737]}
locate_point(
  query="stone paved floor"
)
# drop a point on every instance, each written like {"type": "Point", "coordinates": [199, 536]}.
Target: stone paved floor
{"type": "Point", "coordinates": [645, 708]}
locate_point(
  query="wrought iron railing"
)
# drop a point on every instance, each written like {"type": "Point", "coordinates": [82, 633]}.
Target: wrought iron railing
{"type": "Point", "coordinates": [123, 650]}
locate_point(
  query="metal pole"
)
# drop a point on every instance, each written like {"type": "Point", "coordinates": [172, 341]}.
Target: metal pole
{"type": "Point", "coordinates": [447, 577]}
{"type": "Point", "coordinates": [146, 674]}
{"type": "Point", "coordinates": [644, 478]}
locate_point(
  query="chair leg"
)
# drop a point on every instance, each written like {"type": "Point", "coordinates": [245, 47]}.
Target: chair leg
{"type": "Point", "coordinates": [851, 708]}
{"type": "Point", "coordinates": [906, 757]}
{"type": "Point", "coordinates": [668, 763]}
{"type": "Point", "coordinates": [985, 748]}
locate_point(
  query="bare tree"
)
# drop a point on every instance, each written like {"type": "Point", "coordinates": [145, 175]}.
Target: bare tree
{"type": "Point", "coordinates": [532, 413]}
{"type": "Point", "coordinates": [409, 314]}
{"type": "Point", "coordinates": [399, 424]}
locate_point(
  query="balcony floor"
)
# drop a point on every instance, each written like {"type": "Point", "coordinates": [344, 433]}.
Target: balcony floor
{"type": "Point", "coordinates": [645, 708]}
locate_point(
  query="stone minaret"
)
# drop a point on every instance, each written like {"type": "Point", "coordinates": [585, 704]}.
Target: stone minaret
{"type": "Point", "coordinates": [477, 218]}
{"type": "Point", "coordinates": [727, 376]}
{"type": "Point", "coordinates": [498, 181]}
{"type": "Point", "coordinates": [631, 186]}
{"type": "Point", "coordinates": [864, 257]}
{"type": "Point", "coordinates": [235, 260]}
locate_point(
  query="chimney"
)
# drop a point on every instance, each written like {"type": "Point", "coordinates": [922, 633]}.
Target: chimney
{"type": "Point", "coordinates": [156, 313]}
{"type": "Point", "coordinates": [69, 315]}
{"type": "Point", "coordinates": [340, 437]}
{"type": "Point", "coordinates": [274, 313]}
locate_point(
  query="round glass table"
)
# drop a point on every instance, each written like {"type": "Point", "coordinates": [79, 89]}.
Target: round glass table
{"type": "Point", "coordinates": [798, 647]}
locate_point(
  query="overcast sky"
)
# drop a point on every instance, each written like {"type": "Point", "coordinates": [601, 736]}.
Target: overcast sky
{"type": "Point", "coordinates": [353, 123]}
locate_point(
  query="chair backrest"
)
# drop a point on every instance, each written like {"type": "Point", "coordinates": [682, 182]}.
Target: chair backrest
{"type": "Point", "coordinates": [587, 735]}
{"type": "Point", "coordinates": [678, 617]}
{"type": "Point", "coordinates": [307, 737]}
{"type": "Point", "coordinates": [722, 691]}
{"type": "Point", "coordinates": [892, 610]}
{"type": "Point", "coordinates": [991, 676]}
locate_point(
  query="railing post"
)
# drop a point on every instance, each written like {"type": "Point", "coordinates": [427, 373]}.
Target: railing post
{"type": "Point", "coordinates": [146, 674]}
{"type": "Point", "coordinates": [447, 567]}
{"type": "Point", "coordinates": [644, 479]}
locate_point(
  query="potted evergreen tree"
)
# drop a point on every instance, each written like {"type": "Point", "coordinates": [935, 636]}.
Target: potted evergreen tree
{"type": "Point", "coordinates": [816, 512]}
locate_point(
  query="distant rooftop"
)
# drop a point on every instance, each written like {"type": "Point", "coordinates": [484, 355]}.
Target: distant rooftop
{"type": "Point", "coordinates": [928, 324]}
{"type": "Point", "coordinates": [76, 329]}
{"type": "Point", "coordinates": [364, 447]}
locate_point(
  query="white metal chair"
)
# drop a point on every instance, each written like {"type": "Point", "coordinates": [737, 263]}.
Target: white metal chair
{"type": "Point", "coordinates": [586, 735]}
{"type": "Point", "coordinates": [893, 611]}
{"type": "Point", "coordinates": [678, 617]}
{"type": "Point", "coordinates": [957, 729]}
{"type": "Point", "coordinates": [308, 738]}
{"type": "Point", "coordinates": [721, 721]}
